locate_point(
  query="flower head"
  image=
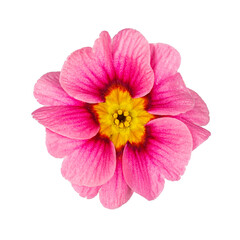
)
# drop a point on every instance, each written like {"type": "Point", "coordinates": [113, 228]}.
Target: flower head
{"type": "Point", "coordinates": [121, 117]}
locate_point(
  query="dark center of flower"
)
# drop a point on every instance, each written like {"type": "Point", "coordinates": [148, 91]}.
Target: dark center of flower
{"type": "Point", "coordinates": [121, 118]}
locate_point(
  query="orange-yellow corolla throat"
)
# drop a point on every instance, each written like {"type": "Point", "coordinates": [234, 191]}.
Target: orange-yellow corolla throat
{"type": "Point", "coordinates": [122, 118]}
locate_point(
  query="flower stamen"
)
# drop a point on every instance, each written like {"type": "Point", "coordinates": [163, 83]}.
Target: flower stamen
{"type": "Point", "coordinates": [128, 118]}
{"type": "Point", "coordinates": [122, 118]}
{"type": "Point", "coordinates": [115, 115]}
{"type": "Point", "coordinates": [119, 112]}
{"type": "Point", "coordinates": [117, 122]}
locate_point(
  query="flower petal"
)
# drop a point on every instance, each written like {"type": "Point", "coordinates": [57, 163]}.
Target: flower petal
{"type": "Point", "coordinates": [86, 192]}
{"type": "Point", "coordinates": [48, 91]}
{"type": "Point", "coordinates": [170, 97]}
{"type": "Point", "coordinates": [199, 114]}
{"type": "Point", "coordinates": [140, 174]}
{"type": "Point", "coordinates": [131, 56]}
{"type": "Point", "coordinates": [165, 61]}
{"type": "Point", "coordinates": [59, 146]}
{"type": "Point", "coordinates": [165, 153]}
{"type": "Point", "coordinates": [92, 164]}
{"type": "Point", "coordinates": [70, 121]}
{"type": "Point", "coordinates": [199, 134]}
{"type": "Point", "coordinates": [115, 192]}
{"type": "Point", "coordinates": [87, 72]}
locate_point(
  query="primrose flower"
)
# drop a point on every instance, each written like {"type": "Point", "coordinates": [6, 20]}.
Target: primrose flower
{"type": "Point", "coordinates": [121, 117]}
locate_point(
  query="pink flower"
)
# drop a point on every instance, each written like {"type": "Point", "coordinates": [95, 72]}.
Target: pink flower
{"type": "Point", "coordinates": [121, 117]}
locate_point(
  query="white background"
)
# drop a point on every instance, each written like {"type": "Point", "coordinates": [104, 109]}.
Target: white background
{"type": "Point", "coordinates": [37, 203]}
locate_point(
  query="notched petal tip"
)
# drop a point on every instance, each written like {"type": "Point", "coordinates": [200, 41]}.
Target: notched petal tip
{"type": "Point", "coordinates": [199, 114]}
{"type": "Point", "coordinates": [131, 59]}
{"type": "Point", "coordinates": [87, 72]}
{"type": "Point", "coordinates": [199, 134]}
{"type": "Point", "coordinates": [49, 92]}
{"type": "Point", "coordinates": [86, 192]}
{"type": "Point", "coordinates": [115, 192]}
{"type": "Point", "coordinates": [165, 61]}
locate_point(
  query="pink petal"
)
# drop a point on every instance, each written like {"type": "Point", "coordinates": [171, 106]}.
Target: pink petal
{"type": "Point", "coordinates": [92, 164]}
{"type": "Point", "coordinates": [115, 192]}
{"type": "Point", "coordinates": [199, 134]}
{"type": "Point", "coordinates": [70, 121]}
{"type": "Point", "coordinates": [86, 192]}
{"type": "Point", "coordinates": [170, 97]}
{"type": "Point", "coordinates": [165, 153]}
{"type": "Point", "coordinates": [88, 72]}
{"type": "Point", "coordinates": [59, 146]}
{"type": "Point", "coordinates": [199, 114]}
{"type": "Point", "coordinates": [165, 61]}
{"type": "Point", "coordinates": [48, 91]}
{"type": "Point", "coordinates": [131, 56]}
{"type": "Point", "coordinates": [140, 174]}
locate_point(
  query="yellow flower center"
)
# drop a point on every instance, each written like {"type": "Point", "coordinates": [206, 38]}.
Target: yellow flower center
{"type": "Point", "coordinates": [122, 118]}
